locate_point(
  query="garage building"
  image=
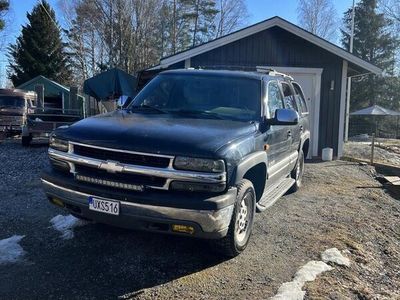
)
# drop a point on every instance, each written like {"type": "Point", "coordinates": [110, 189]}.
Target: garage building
{"type": "Point", "coordinates": [321, 68]}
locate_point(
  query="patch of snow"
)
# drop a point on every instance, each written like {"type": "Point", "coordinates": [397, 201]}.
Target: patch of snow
{"type": "Point", "coordinates": [66, 224]}
{"type": "Point", "coordinates": [290, 291]}
{"type": "Point", "coordinates": [310, 271]}
{"type": "Point", "coordinates": [293, 290]}
{"type": "Point", "coordinates": [335, 256]}
{"type": "Point", "coordinates": [10, 250]}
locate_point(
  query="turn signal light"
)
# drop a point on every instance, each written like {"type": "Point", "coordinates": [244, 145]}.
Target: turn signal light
{"type": "Point", "coordinates": [183, 229]}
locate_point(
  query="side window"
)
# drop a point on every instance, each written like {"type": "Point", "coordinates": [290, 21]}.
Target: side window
{"type": "Point", "coordinates": [288, 97]}
{"type": "Point", "coordinates": [275, 99]}
{"type": "Point", "coordinates": [300, 98]}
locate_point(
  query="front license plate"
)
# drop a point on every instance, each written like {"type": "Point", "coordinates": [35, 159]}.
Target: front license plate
{"type": "Point", "coordinates": [104, 206]}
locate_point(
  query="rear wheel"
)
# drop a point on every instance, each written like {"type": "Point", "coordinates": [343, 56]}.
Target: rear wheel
{"type": "Point", "coordinates": [297, 173]}
{"type": "Point", "coordinates": [241, 224]}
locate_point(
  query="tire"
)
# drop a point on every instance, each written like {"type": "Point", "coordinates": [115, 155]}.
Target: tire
{"type": "Point", "coordinates": [239, 231]}
{"type": "Point", "coordinates": [297, 173]}
{"type": "Point", "coordinates": [26, 140]}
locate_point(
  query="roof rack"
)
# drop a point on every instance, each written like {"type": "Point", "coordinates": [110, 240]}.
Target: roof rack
{"type": "Point", "coordinates": [227, 67]}
{"type": "Point", "coordinates": [272, 72]}
{"type": "Point", "coordinates": [258, 69]}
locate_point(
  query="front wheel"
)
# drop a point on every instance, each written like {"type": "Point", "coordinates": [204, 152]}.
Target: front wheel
{"type": "Point", "coordinates": [297, 173]}
{"type": "Point", "coordinates": [241, 224]}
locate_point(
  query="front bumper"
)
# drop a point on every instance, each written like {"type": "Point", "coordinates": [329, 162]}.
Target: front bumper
{"type": "Point", "coordinates": [158, 217]}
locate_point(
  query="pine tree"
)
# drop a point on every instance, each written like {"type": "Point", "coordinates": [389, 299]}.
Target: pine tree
{"type": "Point", "coordinates": [373, 42]}
{"type": "Point", "coordinates": [4, 5]}
{"type": "Point", "coordinates": [39, 49]}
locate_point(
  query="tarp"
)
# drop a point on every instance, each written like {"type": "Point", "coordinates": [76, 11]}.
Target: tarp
{"type": "Point", "coordinates": [110, 84]}
{"type": "Point", "coordinates": [375, 110]}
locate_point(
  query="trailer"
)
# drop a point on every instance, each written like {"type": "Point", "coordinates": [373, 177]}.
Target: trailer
{"type": "Point", "coordinates": [14, 106]}
{"type": "Point", "coordinates": [40, 122]}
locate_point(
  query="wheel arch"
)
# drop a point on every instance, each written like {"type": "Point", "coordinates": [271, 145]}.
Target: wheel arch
{"type": "Point", "coordinates": [253, 168]}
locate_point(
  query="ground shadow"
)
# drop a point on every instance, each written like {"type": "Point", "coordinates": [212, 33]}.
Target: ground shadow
{"type": "Point", "coordinates": [103, 262]}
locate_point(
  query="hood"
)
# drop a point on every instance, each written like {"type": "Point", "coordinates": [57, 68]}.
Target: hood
{"type": "Point", "coordinates": [157, 133]}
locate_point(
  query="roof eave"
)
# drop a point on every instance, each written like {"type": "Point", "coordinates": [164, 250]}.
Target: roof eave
{"type": "Point", "coordinates": [275, 21]}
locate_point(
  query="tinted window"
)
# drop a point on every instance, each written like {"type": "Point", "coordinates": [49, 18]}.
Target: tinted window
{"type": "Point", "coordinates": [11, 101]}
{"type": "Point", "coordinates": [300, 98]}
{"type": "Point", "coordinates": [288, 97]}
{"type": "Point", "coordinates": [228, 97]}
{"type": "Point", "coordinates": [275, 99]}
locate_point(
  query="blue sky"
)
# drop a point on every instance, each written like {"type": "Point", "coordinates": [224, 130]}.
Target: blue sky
{"type": "Point", "coordinates": [258, 9]}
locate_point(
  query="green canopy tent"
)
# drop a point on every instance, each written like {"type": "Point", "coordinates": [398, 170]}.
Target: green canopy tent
{"type": "Point", "coordinates": [110, 84]}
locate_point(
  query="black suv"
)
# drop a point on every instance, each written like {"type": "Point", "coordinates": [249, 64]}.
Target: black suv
{"type": "Point", "coordinates": [196, 153]}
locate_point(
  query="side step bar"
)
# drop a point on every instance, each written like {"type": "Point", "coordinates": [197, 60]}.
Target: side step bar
{"type": "Point", "coordinates": [273, 193]}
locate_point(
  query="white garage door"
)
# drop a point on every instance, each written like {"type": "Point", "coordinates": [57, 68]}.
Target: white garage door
{"type": "Point", "coordinates": [310, 81]}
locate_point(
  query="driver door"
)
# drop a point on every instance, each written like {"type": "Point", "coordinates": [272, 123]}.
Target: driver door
{"type": "Point", "coordinates": [276, 137]}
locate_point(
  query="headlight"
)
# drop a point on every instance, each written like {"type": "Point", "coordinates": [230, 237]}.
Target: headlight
{"type": "Point", "coordinates": [199, 164]}
{"type": "Point", "coordinates": [58, 144]}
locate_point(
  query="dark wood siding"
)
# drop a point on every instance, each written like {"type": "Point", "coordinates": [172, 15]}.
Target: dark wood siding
{"type": "Point", "coordinates": [277, 47]}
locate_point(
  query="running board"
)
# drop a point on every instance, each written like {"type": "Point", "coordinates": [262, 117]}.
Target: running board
{"type": "Point", "coordinates": [273, 193]}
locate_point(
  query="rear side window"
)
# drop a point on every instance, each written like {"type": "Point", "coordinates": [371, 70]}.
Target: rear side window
{"type": "Point", "coordinates": [275, 98]}
{"type": "Point", "coordinates": [300, 99]}
{"type": "Point", "coordinates": [288, 97]}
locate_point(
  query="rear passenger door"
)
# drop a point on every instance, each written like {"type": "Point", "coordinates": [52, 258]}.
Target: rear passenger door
{"type": "Point", "coordinates": [290, 103]}
{"type": "Point", "coordinates": [277, 136]}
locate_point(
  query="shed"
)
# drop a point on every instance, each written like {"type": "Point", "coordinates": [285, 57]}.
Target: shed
{"type": "Point", "coordinates": [55, 94]}
{"type": "Point", "coordinates": [320, 67]}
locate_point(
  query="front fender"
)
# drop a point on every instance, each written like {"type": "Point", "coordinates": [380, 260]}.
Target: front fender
{"type": "Point", "coordinates": [249, 161]}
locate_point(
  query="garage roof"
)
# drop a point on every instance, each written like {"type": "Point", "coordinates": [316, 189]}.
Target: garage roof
{"type": "Point", "coordinates": [275, 21]}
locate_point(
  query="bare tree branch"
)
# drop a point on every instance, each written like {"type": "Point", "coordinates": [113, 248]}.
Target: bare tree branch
{"type": "Point", "coordinates": [319, 17]}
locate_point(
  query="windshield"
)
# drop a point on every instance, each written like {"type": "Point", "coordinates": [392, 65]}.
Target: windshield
{"type": "Point", "coordinates": [11, 101]}
{"type": "Point", "coordinates": [202, 96]}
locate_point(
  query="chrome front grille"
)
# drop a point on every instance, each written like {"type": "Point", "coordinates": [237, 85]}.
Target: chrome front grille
{"type": "Point", "coordinates": [11, 120]}
{"type": "Point", "coordinates": [125, 178]}
{"type": "Point", "coordinates": [123, 157]}
{"type": "Point", "coordinates": [120, 168]}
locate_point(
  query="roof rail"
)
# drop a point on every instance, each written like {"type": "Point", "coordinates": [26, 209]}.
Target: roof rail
{"type": "Point", "coordinates": [227, 67]}
{"type": "Point", "coordinates": [272, 72]}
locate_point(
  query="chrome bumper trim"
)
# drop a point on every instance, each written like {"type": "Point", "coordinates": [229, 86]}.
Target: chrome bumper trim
{"type": "Point", "coordinates": [209, 220]}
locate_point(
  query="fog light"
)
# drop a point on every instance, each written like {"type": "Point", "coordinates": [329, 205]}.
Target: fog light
{"type": "Point", "coordinates": [197, 187]}
{"type": "Point", "coordinates": [183, 229]}
{"type": "Point", "coordinates": [57, 202]}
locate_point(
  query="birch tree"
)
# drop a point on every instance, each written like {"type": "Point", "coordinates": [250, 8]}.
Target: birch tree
{"type": "Point", "coordinates": [319, 17]}
{"type": "Point", "coordinates": [232, 15]}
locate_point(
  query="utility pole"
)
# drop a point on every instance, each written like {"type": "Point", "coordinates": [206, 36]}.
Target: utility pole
{"type": "Point", "coordinates": [346, 132]}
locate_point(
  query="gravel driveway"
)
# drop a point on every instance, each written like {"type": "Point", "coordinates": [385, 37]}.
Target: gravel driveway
{"type": "Point", "coordinates": [340, 205]}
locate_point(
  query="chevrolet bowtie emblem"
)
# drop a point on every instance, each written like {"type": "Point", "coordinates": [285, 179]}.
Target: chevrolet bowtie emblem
{"type": "Point", "coordinates": [111, 166]}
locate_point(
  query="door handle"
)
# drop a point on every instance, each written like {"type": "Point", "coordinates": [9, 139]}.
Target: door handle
{"type": "Point", "coordinates": [289, 134]}
{"type": "Point", "coordinates": [301, 128]}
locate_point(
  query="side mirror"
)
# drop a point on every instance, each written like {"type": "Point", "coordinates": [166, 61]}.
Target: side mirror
{"type": "Point", "coordinates": [284, 117]}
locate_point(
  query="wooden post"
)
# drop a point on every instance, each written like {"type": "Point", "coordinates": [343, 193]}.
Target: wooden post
{"type": "Point", "coordinates": [73, 99]}
{"type": "Point", "coordinates": [372, 149]}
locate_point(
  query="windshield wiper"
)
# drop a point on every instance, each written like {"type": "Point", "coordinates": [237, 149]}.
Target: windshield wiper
{"type": "Point", "coordinates": [196, 113]}
{"type": "Point", "coordinates": [145, 107]}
